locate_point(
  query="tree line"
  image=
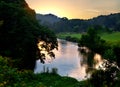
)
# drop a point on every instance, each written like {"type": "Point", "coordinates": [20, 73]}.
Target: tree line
{"type": "Point", "coordinates": [106, 23]}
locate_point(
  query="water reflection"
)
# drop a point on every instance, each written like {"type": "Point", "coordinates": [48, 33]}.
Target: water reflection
{"type": "Point", "coordinates": [67, 61]}
{"type": "Point", "coordinates": [90, 60]}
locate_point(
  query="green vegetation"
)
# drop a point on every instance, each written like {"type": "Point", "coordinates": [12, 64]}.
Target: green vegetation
{"type": "Point", "coordinates": [64, 35]}
{"type": "Point", "coordinates": [74, 37]}
{"type": "Point", "coordinates": [11, 77]}
{"type": "Point", "coordinates": [110, 75]}
{"type": "Point", "coordinates": [102, 23]}
{"type": "Point", "coordinates": [111, 37]}
{"type": "Point", "coordinates": [20, 34]}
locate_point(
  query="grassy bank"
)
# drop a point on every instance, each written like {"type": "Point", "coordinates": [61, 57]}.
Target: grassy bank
{"type": "Point", "coordinates": [64, 35]}
{"type": "Point", "coordinates": [110, 37]}
{"type": "Point", "coordinates": [11, 77]}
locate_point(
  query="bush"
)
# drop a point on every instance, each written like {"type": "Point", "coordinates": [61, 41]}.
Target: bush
{"type": "Point", "coordinates": [73, 39]}
{"type": "Point", "coordinates": [11, 77]}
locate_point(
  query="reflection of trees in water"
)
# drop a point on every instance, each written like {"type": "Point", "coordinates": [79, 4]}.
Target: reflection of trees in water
{"type": "Point", "coordinates": [83, 54]}
{"type": "Point", "coordinates": [89, 59]}
{"type": "Point", "coordinates": [102, 72]}
{"type": "Point", "coordinates": [62, 44]}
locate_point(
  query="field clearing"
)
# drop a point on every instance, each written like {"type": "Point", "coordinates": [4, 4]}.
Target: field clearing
{"type": "Point", "coordinates": [64, 35]}
{"type": "Point", "coordinates": [110, 37]}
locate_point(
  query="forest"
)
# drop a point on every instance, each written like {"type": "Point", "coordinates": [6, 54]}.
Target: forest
{"type": "Point", "coordinates": [104, 22]}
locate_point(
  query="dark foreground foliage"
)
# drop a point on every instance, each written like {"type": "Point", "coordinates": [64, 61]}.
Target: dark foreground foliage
{"type": "Point", "coordinates": [11, 77]}
{"type": "Point", "coordinates": [109, 74]}
{"type": "Point", "coordinates": [20, 34]}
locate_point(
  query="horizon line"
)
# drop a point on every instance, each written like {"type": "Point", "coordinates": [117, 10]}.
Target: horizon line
{"type": "Point", "coordinates": [78, 18]}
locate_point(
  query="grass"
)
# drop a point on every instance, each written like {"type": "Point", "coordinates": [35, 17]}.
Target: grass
{"type": "Point", "coordinates": [50, 80]}
{"type": "Point", "coordinates": [64, 35]}
{"type": "Point", "coordinates": [110, 37]}
{"type": "Point", "coordinates": [11, 77]}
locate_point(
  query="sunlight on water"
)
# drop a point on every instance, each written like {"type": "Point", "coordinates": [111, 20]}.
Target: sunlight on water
{"type": "Point", "coordinates": [67, 61]}
{"type": "Point", "coordinates": [99, 61]}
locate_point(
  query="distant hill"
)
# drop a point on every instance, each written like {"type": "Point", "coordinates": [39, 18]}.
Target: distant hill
{"type": "Point", "coordinates": [48, 18]}
{"type": "Point", "coordinates": [111, 21]}
{"type": "Point", "coordinates": [103, 22]}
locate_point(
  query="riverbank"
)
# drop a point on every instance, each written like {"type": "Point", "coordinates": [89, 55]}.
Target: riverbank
{"type": "Point", "coordinates": [109, 37]}
{"type": "Point", "coordinates": [11, 77]}
{"type": "Point", "coordinates": [67, 61]}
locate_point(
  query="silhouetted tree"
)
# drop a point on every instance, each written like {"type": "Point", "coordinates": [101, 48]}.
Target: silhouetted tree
{"type": "Point", "coordinates": [20, 34]}
{"type": "Point", "coordinates": [92, 41]}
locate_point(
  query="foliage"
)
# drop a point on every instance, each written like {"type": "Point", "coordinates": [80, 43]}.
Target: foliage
{"type": "Point", "coordinates": [103, 23]}
{"type": "Point", "coordinates": [116, 50]}
{"type": "Point", "coordinates": [11, 77]}
{"type": "Point", "coordinates": [108, 75]}
{"type": "Point", "coordinates": [109, 55]}
{"type": "Point", "coordinates": [112, 54]}
{"type": "Point", "coordinates": [64, 35]}
{"type": "Point", "coordinates": [20, 33]}
{"type": "Point", "coordinates": [111, 38]}
{"type": "Point", "coordinates": [73, 39]}
{"type": "Point", "coordinates": [92, 41]}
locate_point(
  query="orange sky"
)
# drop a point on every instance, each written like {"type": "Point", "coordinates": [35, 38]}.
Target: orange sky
{"type": "Point", "coordinates": [83, 9]}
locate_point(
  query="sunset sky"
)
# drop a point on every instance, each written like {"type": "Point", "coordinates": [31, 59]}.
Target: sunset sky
{"type": "Point", "coordinates": [83, 9]}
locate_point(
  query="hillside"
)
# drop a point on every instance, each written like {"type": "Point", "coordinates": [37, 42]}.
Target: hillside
{"type": "Point", "coordinates": [106, 22]}
{"type": "Point", "coordinates": [47, 19]}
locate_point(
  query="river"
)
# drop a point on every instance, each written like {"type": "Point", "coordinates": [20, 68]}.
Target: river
{"type": "Point", "coordinates": [67, 61]}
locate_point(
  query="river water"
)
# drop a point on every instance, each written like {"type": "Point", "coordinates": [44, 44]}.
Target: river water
{"type": "Point", "coordinates": [67, 61]}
